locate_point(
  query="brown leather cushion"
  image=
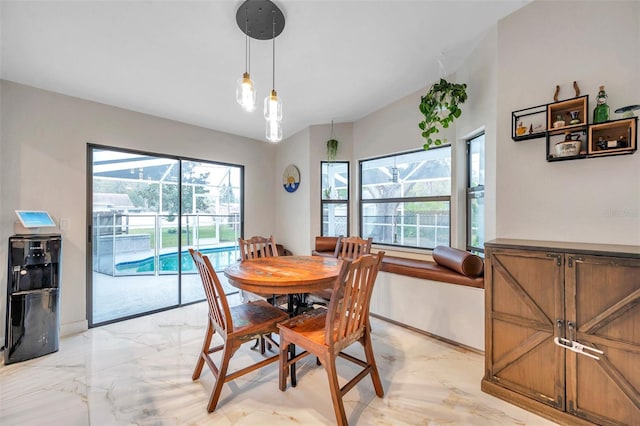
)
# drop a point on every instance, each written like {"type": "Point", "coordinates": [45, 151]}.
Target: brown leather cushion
{"type": "Point", "coordinates": [461, 261]}
{"type": "Point", "coordinates": [326, 244]}
{"type": "Point", "coordinates": [428, 270]}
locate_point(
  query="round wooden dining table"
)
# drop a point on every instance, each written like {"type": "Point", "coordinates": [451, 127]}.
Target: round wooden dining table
{"type": "Point", "coordinates": [288, 275]}
{"type": "Point", "coordinates": [284, 274]}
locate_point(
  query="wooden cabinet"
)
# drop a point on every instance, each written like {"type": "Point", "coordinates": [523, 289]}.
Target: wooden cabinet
{"type": "Point", "coordinates": [562, 330]}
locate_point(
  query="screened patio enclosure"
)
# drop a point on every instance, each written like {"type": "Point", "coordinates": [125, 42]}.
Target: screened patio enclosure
{"type": "Point", "coordinates": [146, 212]}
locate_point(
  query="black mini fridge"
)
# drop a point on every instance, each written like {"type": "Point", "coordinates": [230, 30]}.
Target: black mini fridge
{"type": "Point", "coordinates": [33, 297]}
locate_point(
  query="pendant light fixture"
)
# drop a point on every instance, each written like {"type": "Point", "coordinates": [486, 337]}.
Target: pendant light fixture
{"type": "Point", "coordinates": [261, 20]}
{"type": "Point", "coordinates": [245, 89]}
{"type": "Point", "coordinates": [272, 103]}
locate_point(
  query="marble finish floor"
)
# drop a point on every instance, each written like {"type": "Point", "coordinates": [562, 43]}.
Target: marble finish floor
{"type": "Point", "coordinates": [138, 372]}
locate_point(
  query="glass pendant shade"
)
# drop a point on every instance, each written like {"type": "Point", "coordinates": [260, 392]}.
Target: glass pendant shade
{"type": "Point", "coordinates": [246, 93]}
{"type": "Point", "coordinates": [274, 131]}
{"type": "Point", "coordinates": [273, 107]}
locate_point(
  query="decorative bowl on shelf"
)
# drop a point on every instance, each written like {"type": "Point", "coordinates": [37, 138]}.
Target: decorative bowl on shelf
{"type": "Point", "coordinates": [568, 148]}
{"type": "Point", "coordinates": [627, 112]}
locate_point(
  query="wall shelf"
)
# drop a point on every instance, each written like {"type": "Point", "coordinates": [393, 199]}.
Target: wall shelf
{"type": "Point", "coordinates": [563, 124]}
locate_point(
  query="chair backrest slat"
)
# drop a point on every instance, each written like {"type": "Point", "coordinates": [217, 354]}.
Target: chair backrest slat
{"type": "Point", "coordinates": [256, 247]}
{"type": "Point", "coordinates": [219, 312]}
{"type": "Point", "coordinates": [352, 247]}
{"type": "Point", "coordinates": [348, 311]}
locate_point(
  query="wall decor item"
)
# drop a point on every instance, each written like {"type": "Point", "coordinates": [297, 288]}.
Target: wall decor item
{"type": "Point", "coordinates": [601, 111]}
{"type": "Point", "coordinates": [627, 112]}
{"type": "Point", "coordinates": [440, 106]}
{"type": "Point", "coordinates": [529, 123]}
{"type": "Point", "coordinates": [291, 178]}
{"type": "Point", "coordinates": [565, 122]}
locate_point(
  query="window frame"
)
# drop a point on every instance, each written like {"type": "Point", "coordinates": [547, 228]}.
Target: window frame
{"type": "Point", "coordinates": [346, 202]}
{"type": "Point", "coordinates": [472, 193]}
{"type": "Point", "coordinates": [437, 198]}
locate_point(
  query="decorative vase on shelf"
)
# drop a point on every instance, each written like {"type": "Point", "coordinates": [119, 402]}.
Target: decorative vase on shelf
{"type": "Point", "coordinates": [559, 122]}
{"type": "Point", "coordinates": [575, 117]}
{"type": "Point", "coordinates": [601, 111]}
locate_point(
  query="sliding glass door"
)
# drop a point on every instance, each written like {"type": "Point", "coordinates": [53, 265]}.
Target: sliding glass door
{"type": "Point", "coordinates": [145, 212]}
{"type": "Point", "coordinates": [210, 219]}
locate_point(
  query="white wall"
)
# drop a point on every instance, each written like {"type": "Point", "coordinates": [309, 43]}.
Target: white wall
{"type": "Point", "coordinates": [319, 135]}
{"type": "Point", "coordinates": [447, 310]}
{"type": "Point", "coordinates": [451, 311]}
{"type": "Point", "coordinates": [44, 145]}
{"type": "Point", "coordinates": [293, 209]}
{"type": "Point", "coordinates": [548, 43]}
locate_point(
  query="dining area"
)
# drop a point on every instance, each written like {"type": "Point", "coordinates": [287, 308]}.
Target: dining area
{"type": "Point", "coordinates": [295, 344]}
{"type": "Point", "coordinates": [140, 371]}
{"type": "Point", "coordinates": [296, 326]}
{"type": "Point", "coordinates": [323, 331]}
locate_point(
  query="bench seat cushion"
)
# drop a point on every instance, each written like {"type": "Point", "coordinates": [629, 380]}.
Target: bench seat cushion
{"type": "Point", "coordinates": [427, 270]}
{"type": "Point", "coordinates": [463, 262]}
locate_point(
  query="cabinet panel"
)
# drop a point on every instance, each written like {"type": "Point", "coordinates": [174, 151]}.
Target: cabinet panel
{"type": "Point", "coordinates": [587, 296]}
{"type": "Point", "coordinates": [524, 303]}
{"type": "Point", "coordinates": [603, 300]}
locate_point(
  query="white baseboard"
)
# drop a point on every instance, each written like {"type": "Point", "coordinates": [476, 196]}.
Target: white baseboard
{"type": "Point", "coordinates": [74, 328]}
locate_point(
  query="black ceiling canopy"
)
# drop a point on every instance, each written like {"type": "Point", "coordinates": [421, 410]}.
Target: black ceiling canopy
{"type": "Point", "coordinates": [255, 18]}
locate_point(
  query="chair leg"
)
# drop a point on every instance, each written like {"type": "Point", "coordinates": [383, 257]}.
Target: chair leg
{"type": "Point", "coordinates": [336, 396]}
{"type": "Point", "coordinates": [284, 368]}
{"type": "Point", "coordinates": [368, 352]}
{"type": "Point", "coordinates": [205, 349]}
{"type": "Point", "coordinates": [227, 353]}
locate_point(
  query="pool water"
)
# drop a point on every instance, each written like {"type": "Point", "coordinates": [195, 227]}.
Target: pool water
{"type": "Point", "coordinates": [220, 257]}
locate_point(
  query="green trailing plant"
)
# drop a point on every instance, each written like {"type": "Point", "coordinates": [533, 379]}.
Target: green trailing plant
{"type": "Point", "coordinates": [332, 145]}
{"type": "Point", "coordinates": [332, 149]}
{"type": "Point", "coordinates": [440, 106]}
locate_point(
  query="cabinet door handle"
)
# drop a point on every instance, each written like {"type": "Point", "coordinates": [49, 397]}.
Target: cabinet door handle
{"type": "Point", "coordinates": [560, 325]}
{"type": "Point", "coordinates": [571, 325]}
{"type": "Point", "coordinates": [573, 345]}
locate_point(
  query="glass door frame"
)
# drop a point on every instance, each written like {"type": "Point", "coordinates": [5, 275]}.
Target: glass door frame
{"type": "Point", "coordinates": [89, 224]}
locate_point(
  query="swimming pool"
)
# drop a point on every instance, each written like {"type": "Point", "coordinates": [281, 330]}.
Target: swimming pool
{"type": "Point", "coordinates": [220, 257]}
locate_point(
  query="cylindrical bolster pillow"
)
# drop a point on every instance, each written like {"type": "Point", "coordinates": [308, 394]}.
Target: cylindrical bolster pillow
{"type": "Point", "coordinates": [463, 262]}
{"type": "Point", "coordinates": [326, 243]}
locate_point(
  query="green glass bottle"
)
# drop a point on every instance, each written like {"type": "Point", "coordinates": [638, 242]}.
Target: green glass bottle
{"type": "Point", "coordinates": [601, 112]}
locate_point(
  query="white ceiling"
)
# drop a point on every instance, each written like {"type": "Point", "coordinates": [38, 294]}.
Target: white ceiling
{"type": "Point", "coordinates": [335, 60]}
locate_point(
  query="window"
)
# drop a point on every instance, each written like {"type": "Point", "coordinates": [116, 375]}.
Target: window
{"type": "Point", "coordinates": [475, 194]}
{"type": "Point", "coordinates": [335, 198]}
{"type": "Point", "coordinates": [405, 199]}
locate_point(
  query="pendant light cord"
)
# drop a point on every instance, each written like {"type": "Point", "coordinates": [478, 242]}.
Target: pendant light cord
{"type": "Point", "coordinates": [247, 43]}
{"type": "Point", "coordinates": [274, 52]}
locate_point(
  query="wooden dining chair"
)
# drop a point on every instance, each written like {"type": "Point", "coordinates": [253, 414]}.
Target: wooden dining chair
{"type": "Point", "coordinates": [325, 333]}
{"type": "Point", "coordinates": [257, 246]}
{"type": "Point", "coordinates": [348, 248]}
{"type": "Point", "coordinates": [352, 247]}
{"type": "Point", "coordinates": [253, 248]}
{"type": "Point", "coordinates": [235, 325]}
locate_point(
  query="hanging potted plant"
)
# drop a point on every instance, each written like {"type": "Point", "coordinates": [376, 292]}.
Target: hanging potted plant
{"type": "Point", "coordinates": [332, 145]}
{"type": "Point", "coordinates": [440, 106]}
